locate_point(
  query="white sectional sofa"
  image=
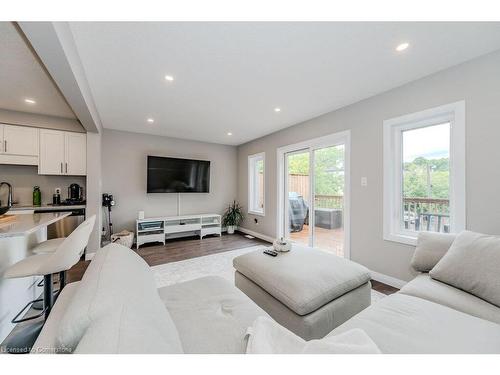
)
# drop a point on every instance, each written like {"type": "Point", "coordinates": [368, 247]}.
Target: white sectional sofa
{"type": "Point", "coordinates": [117, 309]}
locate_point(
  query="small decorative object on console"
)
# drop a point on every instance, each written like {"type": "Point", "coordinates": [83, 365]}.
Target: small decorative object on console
{"type": "Point", "coordinates": [282, 245]}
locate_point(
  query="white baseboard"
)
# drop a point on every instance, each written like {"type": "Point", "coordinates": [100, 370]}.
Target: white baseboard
{"type": "Point", "coordinates": [256, 234]}
{"type": "Point", "coordinates": [389, 280]}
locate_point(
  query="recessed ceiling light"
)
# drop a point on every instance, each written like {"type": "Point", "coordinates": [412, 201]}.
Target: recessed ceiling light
{"type": "Point", "coordinates": [169, 78]}
{"type": "Point", "coordinates": [401, 47]}
{"type": "Point", "coordinates": [30, 101]}
{"type": "Point", "coordinates": [150, 120]}
{"type": "Point", "coordinates": [229, 133]}
{"type": "Point", "coordinates": [277, 109]}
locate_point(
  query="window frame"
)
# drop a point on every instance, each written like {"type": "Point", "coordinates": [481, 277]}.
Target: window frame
{"type": "Point", "coordinates": [454, 113]}
{"type": "Point", "coordinates": [252, 162]}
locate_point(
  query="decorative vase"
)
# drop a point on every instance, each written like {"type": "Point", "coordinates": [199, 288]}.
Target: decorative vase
{"type": "Point", "coordinates": [230, 229]}
{"type": "Point", "coordinates": [282, 245]}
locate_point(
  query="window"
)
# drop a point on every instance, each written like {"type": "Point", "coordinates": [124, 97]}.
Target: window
{"type": "Point", "coordinates": [424, 173]}
{"type": "Point", "coordinates": [256, 184]}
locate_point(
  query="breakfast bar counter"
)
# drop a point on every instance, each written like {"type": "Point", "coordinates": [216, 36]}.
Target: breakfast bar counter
{"type": "Point", "coordinates": [18, 235]}
{"type": "Point", "coordinates": [23, 225]}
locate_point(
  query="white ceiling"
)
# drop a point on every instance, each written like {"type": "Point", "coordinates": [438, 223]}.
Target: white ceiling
{"type": "Point", "coordinates": [22, 76]}
{"type": "Point", "coordinates": [229, 77]}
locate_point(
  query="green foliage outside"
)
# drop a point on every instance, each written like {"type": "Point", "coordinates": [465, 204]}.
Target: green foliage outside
{"type": "Point", "coordinates": [426, 178]}
{"type": "Point", "coordinates": [329, 169]}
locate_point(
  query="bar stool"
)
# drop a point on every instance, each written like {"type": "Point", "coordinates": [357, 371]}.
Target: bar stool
{"type": "Point", "coordinates": [48, 246]}
{"type": "Point", "coordinates": [67, 254]}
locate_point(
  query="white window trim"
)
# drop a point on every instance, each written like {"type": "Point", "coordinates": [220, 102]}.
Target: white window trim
{"type": "Point", "coordinates": [455, 114]}
{"type": "Point", "coordinates": [251, 183]}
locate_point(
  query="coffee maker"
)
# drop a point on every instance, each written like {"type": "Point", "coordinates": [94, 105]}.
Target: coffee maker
{"type": "Point", "coordinates": [75, 194]}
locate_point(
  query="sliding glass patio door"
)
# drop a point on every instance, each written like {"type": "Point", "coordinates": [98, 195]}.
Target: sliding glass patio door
{"type": "Point", "coordinates": [298, 193]}
{"type": "Point", "coordinates": [314, 187]}
{"type": "Point", "coordinates": [328, 203]}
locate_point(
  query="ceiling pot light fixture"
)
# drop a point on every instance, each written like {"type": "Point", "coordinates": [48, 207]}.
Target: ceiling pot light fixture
{"type": "Point", "coordinates": [229, 133]}
{"type": "Point", "coordinates": [401, 47]}
{"type": "Point", "coordinates": [150, 120]}
{"type": "Point", "coordinates": [169, 78]}
{"type": "Point", "coordinates": [30, 101]}
{"type": "Point", "coordinates": [277, 109]}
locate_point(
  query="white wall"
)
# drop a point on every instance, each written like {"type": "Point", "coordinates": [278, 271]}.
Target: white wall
{"type": "Point", "coordinates": [477, 82]}
{"type": "Point", "coordinates": [124, 167]}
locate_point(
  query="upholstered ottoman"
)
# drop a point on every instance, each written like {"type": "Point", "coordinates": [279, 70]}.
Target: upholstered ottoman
{"type": "Point", "coordinates": [308, 291]}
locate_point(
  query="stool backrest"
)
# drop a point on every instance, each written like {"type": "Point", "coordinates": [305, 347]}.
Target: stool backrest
{"type": "Point", "coordinates": [70, 250]}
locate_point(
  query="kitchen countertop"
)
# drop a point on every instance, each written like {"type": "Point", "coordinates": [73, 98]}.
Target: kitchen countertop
{"type": "Point", "coordinates": [47, 207]}
{"type": "Point", "coordinates": [26, 223]}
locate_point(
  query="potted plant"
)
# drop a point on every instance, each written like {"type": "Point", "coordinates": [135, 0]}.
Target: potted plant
{"type": "Point", "coordinates": [232, 217]}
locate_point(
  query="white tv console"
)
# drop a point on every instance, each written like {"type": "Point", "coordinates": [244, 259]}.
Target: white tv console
{"type": "Point", "coordinates": [158, 229]}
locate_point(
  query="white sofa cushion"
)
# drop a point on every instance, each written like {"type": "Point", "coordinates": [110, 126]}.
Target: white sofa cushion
{"type": "Point", "coordinates": [425, 287]}
{"type": "Point", "coordinates": [116, 278]}
{"type": "Point", "coordinates": [268, 337]}
{"type": "Point", "coordinates": [303, 279]}
{"type": "Point", "coordinates": [211, 315]}
{"type": "Point", "coordinates": [431, 247]}
{"type": "Point", "coordinates": [123, 332]}
{"type": "Point", "coordinates": [403, 324]}
{"type": "Point", "coordinates": [472, 264]}
{"type": "Point", "coordinates": [46, 341]}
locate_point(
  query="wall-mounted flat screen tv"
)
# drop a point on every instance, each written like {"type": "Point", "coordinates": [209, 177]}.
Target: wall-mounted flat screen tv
{"type": "Point", "coordinates": [172, 175]}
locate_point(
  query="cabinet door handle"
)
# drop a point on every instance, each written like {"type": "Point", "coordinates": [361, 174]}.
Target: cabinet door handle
{"type": "Point", "coordinates": [66, 167]}
{"type": "Point", "coordinates": [5, 146]}
{"type": "Point", "coordinates": [61, 167]}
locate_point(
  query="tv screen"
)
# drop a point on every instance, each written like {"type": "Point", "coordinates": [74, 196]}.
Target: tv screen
{"type": "Point", "coordinates": [172, 175]}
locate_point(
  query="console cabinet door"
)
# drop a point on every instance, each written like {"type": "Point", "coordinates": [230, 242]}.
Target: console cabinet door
{"type": "Point", "coordinates": [75, 154]}
{"type": "Point", "coordinates": [51, 152]}
{"type": "Point", "coordinates": [20, 140]}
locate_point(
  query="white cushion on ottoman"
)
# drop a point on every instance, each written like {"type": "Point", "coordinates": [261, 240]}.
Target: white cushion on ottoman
{"type": "Point", "coordinates": [303, 279]}
{"type": "Point", "coordinates": [308, 291]}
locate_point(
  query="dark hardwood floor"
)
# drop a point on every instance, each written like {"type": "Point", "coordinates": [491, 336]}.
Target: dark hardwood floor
{"type": "Point", "coordinates": [383, 288]}
{"type": "Point", "coordinates": [182, 248]}
{"type": "Point", "coordinates": [187, 248]}
{"type": "Point", "coordinates": [179, 249]}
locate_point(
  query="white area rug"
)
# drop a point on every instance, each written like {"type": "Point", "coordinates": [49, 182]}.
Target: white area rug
{"type": "Point", "coordinates": [217, 264]}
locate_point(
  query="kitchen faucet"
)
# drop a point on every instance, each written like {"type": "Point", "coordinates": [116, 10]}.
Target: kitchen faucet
{"type": "Point", "coordinates": [9, 199]}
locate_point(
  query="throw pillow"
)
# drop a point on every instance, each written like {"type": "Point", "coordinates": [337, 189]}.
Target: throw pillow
{"type": "Point", "coordinates": [473, 265]}
{"type": "Point", "coordinates": [268, 337]}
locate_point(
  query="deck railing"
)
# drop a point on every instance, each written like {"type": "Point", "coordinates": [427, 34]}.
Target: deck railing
{"type": "Point", "coordinates": [329, 201]}
{"type": "Point", "coordinates": [431, 214]}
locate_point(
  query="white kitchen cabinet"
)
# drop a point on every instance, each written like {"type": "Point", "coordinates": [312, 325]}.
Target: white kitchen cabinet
{"type": "Point", "coordinates": [51, 152]}
{"type": "Point", "coordinates": [62, 153]}
{"type": "Point", "coordinates": [75, 154]}
{"type": "Point", "coordinates": [19, 145]}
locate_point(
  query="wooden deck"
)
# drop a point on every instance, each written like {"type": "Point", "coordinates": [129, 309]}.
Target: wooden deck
{"type": "Point", "coordinates": [326, 239]}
